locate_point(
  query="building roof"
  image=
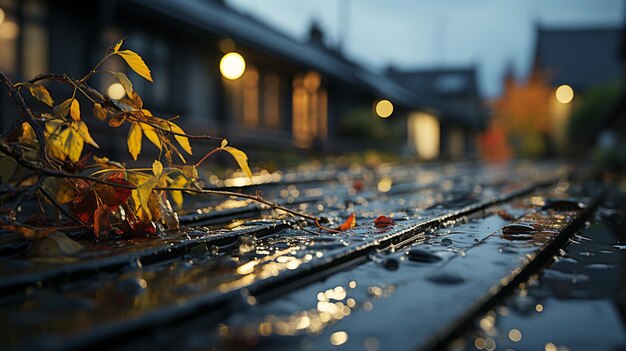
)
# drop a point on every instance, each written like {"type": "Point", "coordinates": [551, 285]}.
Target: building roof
{"type": "Point", "coordinates": [216, 18]}
{"type": "Point", "coordinates": [457, 86]}
{"type": "Point", "coordinates": [580, 57]}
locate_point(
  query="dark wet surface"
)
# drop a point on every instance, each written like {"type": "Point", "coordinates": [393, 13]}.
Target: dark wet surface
{"type": "Point", "coordinates": [240, 276]}
{"type": "Point", "coordinates": [575, 303]}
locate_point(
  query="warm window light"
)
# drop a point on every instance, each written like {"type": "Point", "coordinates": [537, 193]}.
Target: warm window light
{"type": "Point", "coordinates": [1, 16]}
{"type": "Point", "coordinates": [384, 108]}
{"type": "Point", "coordinates": [564, 94]}
{"type": "Point", "coordinates": [9, 30]}
{"type": "Point", "coordinates": [232, 65]}
{"type": "Point", "coordinates": [116, 91]}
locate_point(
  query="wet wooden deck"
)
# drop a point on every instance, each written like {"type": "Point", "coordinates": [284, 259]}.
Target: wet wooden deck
{"type": "Point", "coordinates": [239, 276]}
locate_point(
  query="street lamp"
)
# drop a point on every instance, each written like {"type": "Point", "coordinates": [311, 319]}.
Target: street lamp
{"type": "Point", "coordinates": [384, 108]}
{"type": "Point", "coordinates": [564, 94]}
{"type": "Point", "coordinates": [232, 65]}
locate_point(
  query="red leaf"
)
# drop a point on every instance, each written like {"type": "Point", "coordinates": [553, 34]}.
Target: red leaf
{"type": "Point", "coordinates": [383, 221]}
{"type": "Point", "coordinates": [118, 195]}
{"type": "Point", "coordinates": [349, 223]}
{"type": "Point", "coordinates": [85, 204]}
{"type": "Point", "coordinates": [101, 222]}
{"type": "Point", "coordinates": [358, 186]}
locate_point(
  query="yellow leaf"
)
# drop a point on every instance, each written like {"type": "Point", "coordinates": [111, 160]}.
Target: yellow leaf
{"type": "Point", "coordinates": [74, 145]}
{"type": "Point", "coordinates": [157, 168]}
{"type": "Point", "coordinates": [75, 110]}
{"type": "Point", "coordinates": [118, 45]}
{"type": "Point", "coordinates": [136, 63]}
{"type": "Point", "coordinates": [60, 188]}
{"type": "Point", "coordinates": [182, 140]}
{"type": "Point", "coordinates": [144, 190]}
{"type": "Point", "coordinates": [134, 140]}
{"type": "Point", "coordinates": [56, 144]}
{"type": "Point", "coordinates": [28, 135]}
{"type": "Point", "coordinates": [99, 112]}
{"type": "Point", "coordinates": [40, 93]}
{"type": "Point", "coordinates": [151, 134]}
{"type": "Point", "coordinates": [63, 108]}
{"type": "Point", "coordinates": [240, 157]}
{"type": "Point", "coordinates": [128, 86]}
{"type": "Point", "coordinates": [83, 130]}
{"type": "Point", "coordinates": [224, 143]}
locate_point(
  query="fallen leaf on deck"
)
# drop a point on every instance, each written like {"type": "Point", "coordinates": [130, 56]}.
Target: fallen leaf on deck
{"type": "Point", "coordinates": [383, 221]}
{"type": "Point", "coordinates": [349, 223]}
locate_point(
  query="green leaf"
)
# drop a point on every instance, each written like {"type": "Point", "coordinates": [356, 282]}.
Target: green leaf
{"type": "Point", "coordinates": [136, 63]}
{"type": "Point", "coordinates": [240, 157]}
{"type": "Point", "coordinates": [40, 93]}
{"type": "Point", "coordinates": [134, 140]}
{"type": "Point", "coordinates": [8, 165]}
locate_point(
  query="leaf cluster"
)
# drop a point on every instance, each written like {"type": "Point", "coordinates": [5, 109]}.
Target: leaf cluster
{"type": "Point", "coordinates": [44, 156]}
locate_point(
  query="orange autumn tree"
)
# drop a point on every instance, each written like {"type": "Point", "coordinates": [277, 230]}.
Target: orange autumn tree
{"type": "Point", "coordinates": [43, 156]}
{"type": "Point", "coordinates": [521, 119]}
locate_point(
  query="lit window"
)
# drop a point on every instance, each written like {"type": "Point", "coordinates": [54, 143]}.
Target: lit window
{"type": "Point", "coordinates": [310, 110]}
{"type": "Point", "coordinates": [424, 135]}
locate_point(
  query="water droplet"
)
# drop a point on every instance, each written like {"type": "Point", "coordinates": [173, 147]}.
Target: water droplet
{"type": "Point", "coordinates": [518, 228]}
{"type": "Point", "coordinates": [247, 243]}
{"type": "Point", "coordinates": [421, 255]}
{"type": "Point", "coordinates": [446, 279]}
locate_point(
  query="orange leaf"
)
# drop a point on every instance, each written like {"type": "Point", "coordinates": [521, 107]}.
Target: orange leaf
{"type": "Point", "coordinates": [383, 221]}
{"type": "Point", "coordinates": [349, 223]}
{"type": "Point", "coordinates": [101, 222]}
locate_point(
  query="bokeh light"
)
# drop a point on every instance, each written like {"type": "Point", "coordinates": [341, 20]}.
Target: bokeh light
{"type": "Point", "coordinates": [116, 91]}
{"type": "Point", "coordinates": [232, 65]}
{"type": "Point", "coordinates": [564, 94]}
{"type": "Point", "coordinates": [384, 108]}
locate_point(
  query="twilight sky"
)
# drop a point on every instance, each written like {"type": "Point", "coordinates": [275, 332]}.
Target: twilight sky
{"type": "Point", "coordinates": [433, 33]}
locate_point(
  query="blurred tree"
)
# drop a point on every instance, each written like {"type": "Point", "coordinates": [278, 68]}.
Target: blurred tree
{"type": "Point", "coordinates": [522, 115]}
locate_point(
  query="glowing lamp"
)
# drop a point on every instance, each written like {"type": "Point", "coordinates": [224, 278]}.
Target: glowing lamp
{"type": "Point", "coordinates": [232, 66]}
{"type": "Point", "coordinates": [564, 94]}
{"type": "Point", "coordinates": [116, 91]}
{"type": "Point", "coordinates": [384, 108]}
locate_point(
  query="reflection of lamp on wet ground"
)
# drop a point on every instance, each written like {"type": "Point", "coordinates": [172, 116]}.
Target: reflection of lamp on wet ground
{"type": "Point", "coordinates": [384, 108]}
{"type": "Point", "coordinates": [564, 94]}
{"type": "Point", "coordinates": [232, 65]}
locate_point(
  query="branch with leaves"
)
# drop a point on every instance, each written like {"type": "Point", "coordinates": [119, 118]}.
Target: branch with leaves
{"type": "Point", "coordinates": [42, 156]}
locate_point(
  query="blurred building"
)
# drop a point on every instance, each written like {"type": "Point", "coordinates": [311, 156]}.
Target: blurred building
{"type": "Point", "coordinates": [277, 93]}
{"type": "Point", "coordinates": [457, 88]}
{"type": "Point", "coordinates": [572, 67]}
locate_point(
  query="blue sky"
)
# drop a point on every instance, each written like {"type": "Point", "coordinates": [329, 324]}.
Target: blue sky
{"type": "Point", "coordinates": [434, 33]}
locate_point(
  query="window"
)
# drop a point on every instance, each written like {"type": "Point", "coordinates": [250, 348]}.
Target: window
{"type": "Point", "coordinates": [271, 100]}
{"type": "Point", "coordinates": [310, 114]}
{"type": "Point", "coordinates": [9, 31]}
{"type": "Point", "coordinates": [424, 135]}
